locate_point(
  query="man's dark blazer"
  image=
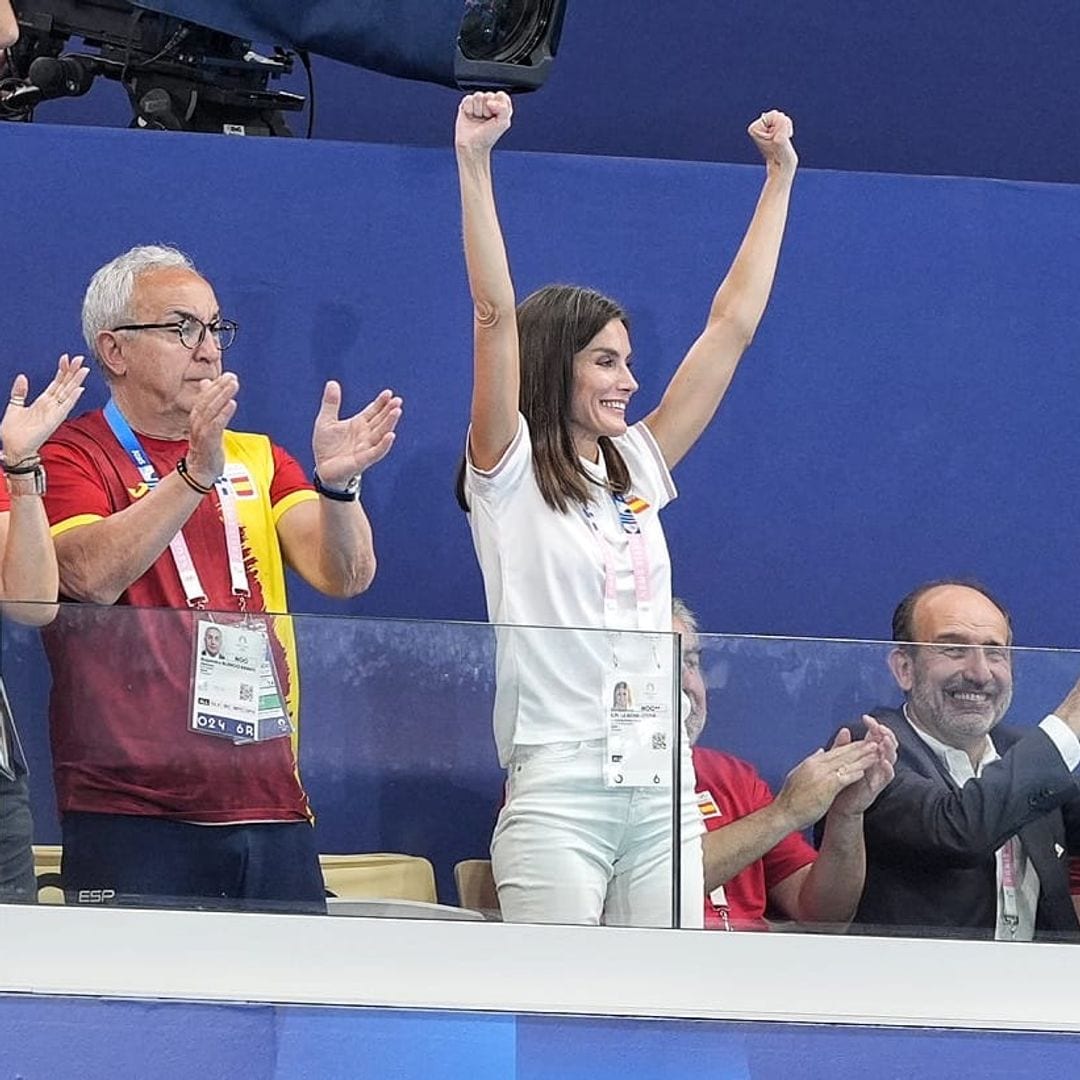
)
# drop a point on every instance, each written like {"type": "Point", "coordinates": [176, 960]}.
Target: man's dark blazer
{"type": "Point", "coordinates": [930, 844]}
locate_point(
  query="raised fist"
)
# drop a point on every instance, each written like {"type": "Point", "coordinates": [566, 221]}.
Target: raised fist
{"type": "Point", "coordinates": [481, 120]}
{"type": "Point", "coordinates": [772, 133]}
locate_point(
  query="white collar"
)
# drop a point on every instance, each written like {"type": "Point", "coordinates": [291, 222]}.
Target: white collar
{"type": "Point", "coordinates": [956, 761]}
{"type": "Point", "coordinates": [597, 468]}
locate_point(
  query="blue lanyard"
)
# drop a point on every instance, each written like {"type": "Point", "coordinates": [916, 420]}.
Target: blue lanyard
{"type": "Point", "coordinates": [127, 438]}
{"type": "Point", "coordinates": [185, 566]}
{"type": "Point", "coordinates": [194, 592]}
{"type": "Point", "coordinates": [627, 520]}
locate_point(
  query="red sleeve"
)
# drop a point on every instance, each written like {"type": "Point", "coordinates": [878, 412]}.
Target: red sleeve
{"type": "Point", "coordinates": [73, 484]}
{"type": "Point", "coordinates": [1074, 876]}
{"type": "Point", "coordinates": [5, 499]}
{"type": "Point", "coordinates": [740, 791]}
{"type": "Point", "coordinates": [791, 854]}
{"type": "Point", "coordinates": [289, 476]}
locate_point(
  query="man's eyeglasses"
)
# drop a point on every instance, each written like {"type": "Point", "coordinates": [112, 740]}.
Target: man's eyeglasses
{"type": "Point", "coordinates": [192, 331]}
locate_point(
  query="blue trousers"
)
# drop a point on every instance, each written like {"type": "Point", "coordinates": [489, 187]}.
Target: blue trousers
{"type": "Point", "coordinates": [154, 862]}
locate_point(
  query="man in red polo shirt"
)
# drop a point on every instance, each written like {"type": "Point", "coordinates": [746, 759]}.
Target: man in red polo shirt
{"type": "Point", "coordinates": [756, 859]}
{"type": "Point", "coordinates": [176, 767]}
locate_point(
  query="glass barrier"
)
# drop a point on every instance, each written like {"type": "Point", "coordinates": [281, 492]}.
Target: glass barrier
{"type": "Point", "coordinates": [957, 844]}
{"type": "Point", "coordinates": [168, 741]}
{"type": "Point", "coordinates": [174, 735]}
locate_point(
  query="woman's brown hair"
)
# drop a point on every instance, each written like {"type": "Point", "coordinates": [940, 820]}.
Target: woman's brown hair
{"type": "Point", "coordinates": [554, 324]}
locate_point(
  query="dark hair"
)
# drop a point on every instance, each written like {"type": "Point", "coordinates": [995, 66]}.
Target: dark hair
{"type": "Point", "coordinates": [555, 323]}
{"type": "Point", "coordinates": [903, 620]}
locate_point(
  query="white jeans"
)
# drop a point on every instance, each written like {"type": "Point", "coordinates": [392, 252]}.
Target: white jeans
{"type": "Point", "coordinates": [567, 849]}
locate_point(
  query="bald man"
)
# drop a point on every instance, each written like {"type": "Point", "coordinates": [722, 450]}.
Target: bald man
{"type": "Point", "coordinates": [972, 837]}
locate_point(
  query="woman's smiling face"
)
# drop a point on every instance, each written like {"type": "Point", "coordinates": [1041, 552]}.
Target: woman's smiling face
{"type": "Point", "coordinates": [603, 386]}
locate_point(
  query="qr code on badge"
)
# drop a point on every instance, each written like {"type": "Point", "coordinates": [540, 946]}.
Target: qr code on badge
{"type": "Point", "coordinates": [659, 740]}
{"type": "Point", "coordinates": [247, 692]}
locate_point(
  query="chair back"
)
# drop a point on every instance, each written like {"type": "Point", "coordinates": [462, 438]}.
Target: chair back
{"type": "Point", "coordinates": [379, 875]}
{"type": "Point", "coordinates": [47, 871]}
{"type": "Point", "coordinates": [476, 886]}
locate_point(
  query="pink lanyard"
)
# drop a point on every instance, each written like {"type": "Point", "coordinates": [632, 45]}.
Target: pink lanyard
{"type": "Point", "coordinates": [639, 559]}
{"type": "Point", "coordinates": [1009, 913]}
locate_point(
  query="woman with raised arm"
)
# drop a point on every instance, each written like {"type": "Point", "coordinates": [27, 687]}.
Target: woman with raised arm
{"type": "Point", "coordinates": [9, 27]}
{"type": "Point", "coordinates": [563, 499]}
{"type": "Point", "coordinates": [27, 573]}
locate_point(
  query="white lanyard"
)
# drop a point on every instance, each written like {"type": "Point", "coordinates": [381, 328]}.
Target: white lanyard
{"type": "Point", "coordinates": [192, 585]}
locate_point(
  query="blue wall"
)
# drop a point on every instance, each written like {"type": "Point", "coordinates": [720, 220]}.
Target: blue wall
{"type": "Point", "coordinates": [78, 1039]}
{"type": "Point", "coordinates": [904, 413]}
{"type": "Point", "coordinates": [972, 89]}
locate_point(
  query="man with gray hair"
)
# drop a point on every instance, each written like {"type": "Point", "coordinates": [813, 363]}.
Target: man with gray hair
{"type": "Point", "coordinates": [176, 773]}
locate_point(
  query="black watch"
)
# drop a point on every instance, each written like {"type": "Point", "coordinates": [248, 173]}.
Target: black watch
{"type": "Point", "coordinates": [350, 493]}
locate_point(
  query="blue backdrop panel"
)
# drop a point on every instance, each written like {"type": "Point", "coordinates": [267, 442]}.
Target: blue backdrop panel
{"type": "Point", "coordinates": [344, 1044]}
{"type": "Point", "coordinates": [904, 412]}
{"type": "Point", "coordinates": [548, 1046]}
{"type": "Point", "coordinates": [826, 1053]}
{"type": "Point", "coordinates": [922, 87]}
{"type": "Point", "coordinates": [69, 1038]}
{"type": "Point", "coordinates": [74, 1039]}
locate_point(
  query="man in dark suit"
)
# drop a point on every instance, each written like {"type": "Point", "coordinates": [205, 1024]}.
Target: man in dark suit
{"type": "Point", "coordinates": [972, 837]}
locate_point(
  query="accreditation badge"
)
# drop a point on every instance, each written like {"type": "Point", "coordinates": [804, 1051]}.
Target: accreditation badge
{"type": "Point", "coordinates": [637, 711]}
{"type": "Point", "coordinates": [273, 718]}
{"type": "Point", "coordinates": [236, 693]}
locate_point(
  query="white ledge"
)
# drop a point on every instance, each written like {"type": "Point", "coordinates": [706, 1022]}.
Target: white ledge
{"type": "Point", "coordinates": [551, 969]}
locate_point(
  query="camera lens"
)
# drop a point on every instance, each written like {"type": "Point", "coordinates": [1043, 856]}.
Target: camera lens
{"type": "Point", "coordinates": [502, 30]}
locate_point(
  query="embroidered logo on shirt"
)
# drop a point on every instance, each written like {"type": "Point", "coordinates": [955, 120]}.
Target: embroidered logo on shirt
{"type": "Point", "coordinates": [139, 491]}
{"type": "Point", "coordinates": [637, 504]}
{"type": "Point", "coordinates": [707, 805]}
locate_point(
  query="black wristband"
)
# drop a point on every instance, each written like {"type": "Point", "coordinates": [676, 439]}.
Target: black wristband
{"type": "Point", "coordinates": [185, 475]}
{"type": "Point", "coordinates": [33, 473]}
{"type": "Point", "coordinates": [350, 494]}
{"type": "Point", "coordinates": [24, 467]}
